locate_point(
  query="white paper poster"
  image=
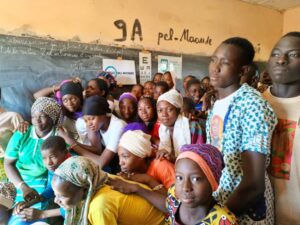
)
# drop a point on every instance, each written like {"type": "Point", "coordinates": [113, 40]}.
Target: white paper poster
{"type": "Point", "coordinates": [145, 66]}
{"type": "Point", "coordinates": [170, 63]}
{"type": "Point", "coordinates": [123, 70]}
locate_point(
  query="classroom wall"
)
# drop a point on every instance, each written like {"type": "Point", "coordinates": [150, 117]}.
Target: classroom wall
{"type": "Point", "coordinates": [291, 20]}
{"type": "Point", "coordinates": [207, 22]}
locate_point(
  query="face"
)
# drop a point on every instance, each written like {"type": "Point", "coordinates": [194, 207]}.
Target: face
{"type": "Point", "coordinates": [129, 162]}
{"type": "Point", "coordinates": [225, 66]}
{"type": "Point", "coordinates": [71, 102]}
{"type": "Point", "coordinates": [157, 78]}
{"type": "Point", "coordinates": [145, 110]}
{"type": "Point", "coordinates": [167, 113]}
{"type": "Point", "coordinates": [284, 62]}
{"type": "Point", "coordinates": [205, 83]}
{"type": "Point", "coordinates": [94, 123]}
{"type": "Point", "coordinates": [127, 109]}
{"type": "Point", "coordinates": [52, 158]}
{"type": "Point", "coordinates": [185, 81]}
{"type": "Point", "coordinates": [41, 122]}
{"type": "Point", "coordinates": [67, 195]}
{"type": "Point", "coordinates": [195, 92]}
{"type": "Point", "coordinates": [148, 89]}
{"type": "Point", "coordinates": [137, 91]}
{"type": "Point", "coordinates": [92, 89]}
{"type": "Point", "coordinates": [167, 77]}
{"type": "Point", "coordinates": [191, 185]}
{"type": "Point", "coordinates": [158, 91]}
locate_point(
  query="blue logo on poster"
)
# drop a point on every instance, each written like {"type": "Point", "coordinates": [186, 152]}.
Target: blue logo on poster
{"type": "Point", "coordinates": [112, 70]}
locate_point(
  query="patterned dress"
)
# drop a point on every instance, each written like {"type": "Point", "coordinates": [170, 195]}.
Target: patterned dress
{"type": "Point", "coordinates": [249, 127]}
{"type": "Point", "coordinates": [218, 215]}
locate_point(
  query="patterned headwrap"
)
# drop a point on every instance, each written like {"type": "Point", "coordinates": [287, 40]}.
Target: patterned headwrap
{"type": "Point", "coordinates": [48, 106]}
{"type": "Point", "coordinates": [173, 97]}
{"type": "Point", "coordinates": [84, 173]}
{"type": "Point", "coordinates": [208, 158]}
{"type": "Point", "coordinates": [136, 142]}
{"type": "Point", "coordinates": [111, 79]}
{"type": "Point", "coordinates": [129, 96]}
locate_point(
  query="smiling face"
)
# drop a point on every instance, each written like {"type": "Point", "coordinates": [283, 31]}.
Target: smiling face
{"type": "Point", "coordinates": [42, 123]}
{"type": "Point", "coordinates": [145, 110]}
{"type": "Point", "coordinates": [167, 113]}
{"type": "Point", "coordinates": [128, 109]}
{"type": "Point", "coordinates": [225, 66]}
{"type": "Point", "coordinates": [191, 185]}
{"type": "Point", "coordinates": [71, 102]}
{"type": "Point", "coordinates": [148, 89]}
{"type": "Point", "coordinates": [67, 195]}
{"type": "Point", "coordinates": [167, 77]}
{"type": "Point", "coordinates": [195, 92]}
{"type": "Point", "coordinates": [137, 91]}
{"type": "Point", "coordinates": [284, 62]}
{"type": "Point", "coordinates": [129, 162]}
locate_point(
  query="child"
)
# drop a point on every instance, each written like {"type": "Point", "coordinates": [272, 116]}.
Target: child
{"type": "Point", "coordinates": [160, 88]}
{"type": "Point", "coordinates": [137, 91]}
{"type": "Point", "coordinates": [186, 79]}
{"type": "Point", "coordinates": [128, 107]}
{"type": "Point", "coordinates": [169, 78]}
{"type": "Point", "coordinates": [206, 83]}
{"type": "Point", "coordinates": [54, 152]}
{"type": "Point", "coordinates": [157, 77]}
{"type": "Point", "coordinates": [198, 170]}
{"type": "Point", "coordinates": [148, 115]}
{"type": "Point", "coordinates": [195, 91]}
{"type": "Point", "coordinates": [284, 97]}
{"type": "Point", "coordinates": [137, 162]}
{"type": "Point", "coordinates": [240, 125]}
{"type": "Point", "coordinates": [148, 88]}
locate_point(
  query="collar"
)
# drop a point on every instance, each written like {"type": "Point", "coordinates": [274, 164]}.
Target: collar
{"type": "Point", "coordinates": [34, 135]}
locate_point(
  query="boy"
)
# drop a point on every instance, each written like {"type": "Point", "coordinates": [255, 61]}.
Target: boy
{"type": "Point", "coordinates": [54, 152]}
{"type": "Point", "coordinates": [240, 125]}
{"type": "Point", "coordinates": [284, 96]}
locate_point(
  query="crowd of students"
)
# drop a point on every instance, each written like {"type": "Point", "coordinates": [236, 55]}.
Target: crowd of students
{"type": "Point", "coordinates": [222, 151]}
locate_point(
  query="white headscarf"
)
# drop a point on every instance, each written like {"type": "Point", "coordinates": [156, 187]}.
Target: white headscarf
{"type": "Point", "coordinates": [173, 97]}
{"type": "Point", "coordinates": [136, 142]}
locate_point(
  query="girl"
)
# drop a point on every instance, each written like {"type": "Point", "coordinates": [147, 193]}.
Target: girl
{"type": "Point", "coordinates": [128, 107]}
{"type": "Point", "coordinates": [198, 170]}
{"type": "Point", "coordinates": [137, 164]}
{"type": "Point", "coordinates": [157, 77]}
{"type": "Point", "coordinates": [148, 115]}
{"type": "Point", "coordinates": [148, 89]}
{"type": "Point", "coordinates": [169, 78]}
{"type": "Point", "coordinates": [160, 88]}
{"type": "Point", "coordinates": [175, 129]}
{"type": "Point", "coordinates": [80, 188]}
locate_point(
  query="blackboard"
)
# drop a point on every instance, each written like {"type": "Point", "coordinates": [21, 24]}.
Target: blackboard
{"type": "Point", "coordinates": [28, 64]}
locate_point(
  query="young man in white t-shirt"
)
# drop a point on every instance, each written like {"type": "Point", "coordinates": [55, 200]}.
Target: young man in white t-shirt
{"type": "Point", "coordinates": [284, 97]}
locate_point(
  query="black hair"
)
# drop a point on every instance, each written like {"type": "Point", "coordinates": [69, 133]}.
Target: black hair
{"type": "Point", "coordinates": [149, 81]}
{"type": "Point", "coordinates": [292, 34]}
{"type": "Point", "coordinates": [102, 85]}
{"type": "Point", "coordinates": [245, 45]}
{"type": "Point", "coordinates": [188, 104]}
{"type": "Point", "coordinates": [54, 142]}
{"type": "Point", "coordinates": [204, 78]}
{"type": "Point", "coordinates": [163, 84]}
{"type": "Point", "coordinates": [95, 106]}
{"type": "Point", "coordinates": [193, 81]}
{"type": "Point", "coordinates": [189, 76]}
{"type": "Point", "coordinates": [154, 119]}
{"type": "Point", "coordinates": [156, 74]}
{"type": "Point", "coordinates": [139, 85]}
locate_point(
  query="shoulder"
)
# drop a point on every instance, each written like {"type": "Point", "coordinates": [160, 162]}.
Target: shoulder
{"type": "Point", "coordinates": [222, 215]}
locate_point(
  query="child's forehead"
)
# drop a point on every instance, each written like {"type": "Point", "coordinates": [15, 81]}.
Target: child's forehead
{"type": "Point", "coordinates": [51, 150]}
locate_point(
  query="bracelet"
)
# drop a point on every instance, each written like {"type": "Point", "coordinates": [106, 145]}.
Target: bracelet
{"type": "Point", "coordinates": [157, 187]}
{"type": "Point", "coordinates": [19, 185]}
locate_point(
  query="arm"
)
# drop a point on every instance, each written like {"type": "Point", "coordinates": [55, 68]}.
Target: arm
{"type": "Point", "coordinates": [15, 177]}
{"type": "Point", "coordinates": [156, 199]}
{"type": "Point", "coordinates": [30, 214]}
{"type": "Point", "coordinates": [252, 186]}
{"type": "Point", "coordinates": [46, 91]}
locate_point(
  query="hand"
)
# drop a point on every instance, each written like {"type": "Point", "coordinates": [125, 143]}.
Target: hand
{"type": "Point", "coordinates": [207, 99]}
{"type": "Point", "coordinates": [23, 127]}
{"type": "Point", "coordinates": [19, 207]}
{"type": "Point", "coordinates": [30, 214]}
{"type": "Point", "coordinates": [29, 194]}
{"type": "Point", "coordinates": [122, 186]}
{"type": "Point", "coordinates": [162, 153]}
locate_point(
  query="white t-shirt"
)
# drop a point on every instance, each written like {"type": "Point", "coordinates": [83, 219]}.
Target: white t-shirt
{"type": "Point", "coordinates": [110, 137]}
{"type": "Point", "coordinates": [285, 164]}
{"type": "Point", "coordinates": [219, 112]}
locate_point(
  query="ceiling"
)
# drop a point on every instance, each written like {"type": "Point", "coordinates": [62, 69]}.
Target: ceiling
{"type": "Point", "coordinates": [280, 5]}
